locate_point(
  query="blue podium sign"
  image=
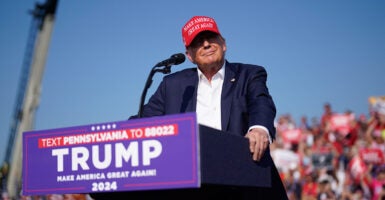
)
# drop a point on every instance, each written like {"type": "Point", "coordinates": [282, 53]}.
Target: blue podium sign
{"type": "Point", "coordinates": [138, 154]}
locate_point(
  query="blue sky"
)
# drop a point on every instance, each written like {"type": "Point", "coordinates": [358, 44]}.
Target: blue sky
{"type": "Point", "coordinates": [102, 51]}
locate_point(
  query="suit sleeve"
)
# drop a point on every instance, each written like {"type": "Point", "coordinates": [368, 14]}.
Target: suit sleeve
{"type": "Point", "coordinates": [261, 106]}
{"type": "Point", "coordinates": [155, 105]}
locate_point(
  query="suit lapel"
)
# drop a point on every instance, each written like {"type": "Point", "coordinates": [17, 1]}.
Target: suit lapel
{"type": "Point", "coordinates": [226, 96]}
{"type": "Point", "coordinates": [190, 94]}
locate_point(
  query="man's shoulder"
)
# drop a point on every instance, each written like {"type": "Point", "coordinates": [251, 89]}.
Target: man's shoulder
{"type": "Point", "coordinates": [239, 66]}
{"type": "Point", "coordinates": [188, 72]}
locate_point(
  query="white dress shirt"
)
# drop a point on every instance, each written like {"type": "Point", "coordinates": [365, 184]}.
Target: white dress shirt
{"type": "Point", "coordinates": [209, 101]}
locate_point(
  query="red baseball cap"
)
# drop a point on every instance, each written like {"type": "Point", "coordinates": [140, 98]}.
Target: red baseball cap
{"type": "Point", "coordinates": [196, 25]}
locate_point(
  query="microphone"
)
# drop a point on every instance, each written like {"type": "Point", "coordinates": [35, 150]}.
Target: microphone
{"type": "Point", "coordinates": [175, 59]}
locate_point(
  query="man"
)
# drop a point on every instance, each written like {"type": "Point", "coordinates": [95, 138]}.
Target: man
{"type": "Point", "coordinates": [231, 97]}
{"type": "Point", "coordinates": [227, 96]}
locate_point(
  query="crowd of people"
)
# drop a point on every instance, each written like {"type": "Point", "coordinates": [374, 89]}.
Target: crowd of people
{"type": "Point", "coordinates": [338, 157]}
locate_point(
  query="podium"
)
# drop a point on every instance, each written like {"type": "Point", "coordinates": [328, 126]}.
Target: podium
{"type": "Point", "coordinates": [167, 156]}
{"type": "Point", "coordinates": [227, 172]}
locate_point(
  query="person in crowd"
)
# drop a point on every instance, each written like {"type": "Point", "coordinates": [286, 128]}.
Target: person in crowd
{"type": "Point", "coordinates": [293, 185]}
{"type": "Point", "coordinates": [325, 191]}
{"type": "Point", "coordinates": [3, 180]}
{"type": "Point", "coordinates": [375, 180]}
{"type": "Point", "coordinates": [326, 116]}
{"type": "Point", "coordinates": [304, 124]}
{"type": "Point", "coordinates": [375, 132]}
{"type": "Point", "coordinates": [309, 186]}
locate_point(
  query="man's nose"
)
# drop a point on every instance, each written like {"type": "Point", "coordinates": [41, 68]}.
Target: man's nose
{"type": "Point", "coordinates": [206, 44]}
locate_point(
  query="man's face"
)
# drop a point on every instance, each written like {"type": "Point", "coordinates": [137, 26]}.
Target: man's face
{"type": "Point", "coordinates": [207, 50]}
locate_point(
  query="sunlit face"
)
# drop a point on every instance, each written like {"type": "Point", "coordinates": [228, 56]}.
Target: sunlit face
{"type": "Point", "coordinates": [207, 50]}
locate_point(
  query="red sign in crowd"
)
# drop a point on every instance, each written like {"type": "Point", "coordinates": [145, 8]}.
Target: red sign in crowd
{"type": "Point", "coordinates": [292, 135]}
{"type": "Point", "coordinates": [341, 123]}
{"type": "Point", "coordinates": [372, 155]}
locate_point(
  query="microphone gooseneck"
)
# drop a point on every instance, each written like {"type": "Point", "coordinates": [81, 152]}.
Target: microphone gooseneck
{"type": "Point", "coordinates": [175, 59]}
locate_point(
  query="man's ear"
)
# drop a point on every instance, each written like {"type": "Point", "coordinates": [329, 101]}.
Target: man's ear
{"type": "Point", "coordinates": [189, 56]}
{"type": "Point", "coordinates": [224, 44]}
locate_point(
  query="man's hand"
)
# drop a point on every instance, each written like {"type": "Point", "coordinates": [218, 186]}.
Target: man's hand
{"type": "Point", "coordinates": [258, 142]}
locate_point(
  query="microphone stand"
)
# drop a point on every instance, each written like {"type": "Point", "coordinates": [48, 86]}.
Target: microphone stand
{"type": "Point", "coordinates": [165, 70]}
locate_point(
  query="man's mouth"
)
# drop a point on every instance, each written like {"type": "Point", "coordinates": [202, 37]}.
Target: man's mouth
{"type": "Point", "coordinates": [209, 53]}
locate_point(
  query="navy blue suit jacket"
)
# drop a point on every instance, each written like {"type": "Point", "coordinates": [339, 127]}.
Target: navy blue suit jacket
{"type": "Point", "coordinates": [245, 99]}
